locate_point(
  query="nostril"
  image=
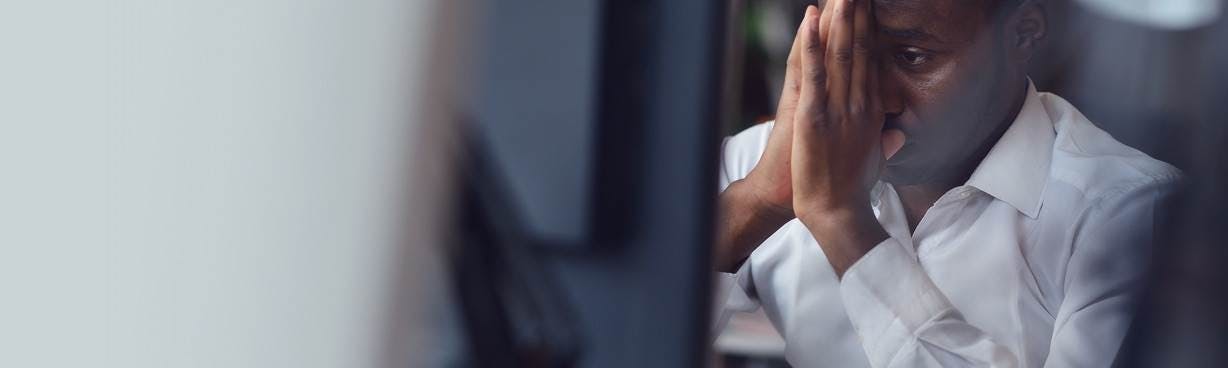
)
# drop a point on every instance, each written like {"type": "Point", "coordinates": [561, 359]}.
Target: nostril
{"type": "Point", "coordinates": [892, 121]}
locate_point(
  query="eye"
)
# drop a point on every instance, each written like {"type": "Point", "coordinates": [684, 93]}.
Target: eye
{"type": "Point", "coordinates": [912, 56]}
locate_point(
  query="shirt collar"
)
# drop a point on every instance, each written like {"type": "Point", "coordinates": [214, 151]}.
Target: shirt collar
{"type": "Point", "coordinates": [1017, 167]}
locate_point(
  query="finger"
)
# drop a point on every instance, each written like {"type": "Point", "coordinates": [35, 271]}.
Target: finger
{"type": "Point", "coordinates": [858, 94]}
{"type": "Point", "coordinates": [875, 94]}
{"type": "Point", "coordinates": [839, 59]}
{"type": "Point", "coordinates": [793, 71]}
{"type": "Point", "coordinates": [812, 103]}
{"type": "Point", "coordinates": [875, 108]}
{"type": "Point", "coordinates": [875, 68]}
{"type": "Point", "coordinates": [825, 21]}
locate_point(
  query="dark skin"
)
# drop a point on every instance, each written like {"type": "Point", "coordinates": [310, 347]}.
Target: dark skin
{"type": "Point", "coordinates": [911, 92]}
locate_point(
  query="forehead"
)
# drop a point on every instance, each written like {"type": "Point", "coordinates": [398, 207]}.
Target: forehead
{"type": "Point", "coordinates": [946, 20]}
{"type": "Point", "coordinates": [945, 8]}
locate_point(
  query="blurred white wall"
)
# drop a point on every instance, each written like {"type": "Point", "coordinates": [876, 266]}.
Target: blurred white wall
{"type": "Point", "coordinates": [218, 183]}
{"type": "Point", "coordinates": [1161, 14]}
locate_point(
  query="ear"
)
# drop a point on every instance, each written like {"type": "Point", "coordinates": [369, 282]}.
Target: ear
{"type": "Point", "coordinates": [1026, 28]}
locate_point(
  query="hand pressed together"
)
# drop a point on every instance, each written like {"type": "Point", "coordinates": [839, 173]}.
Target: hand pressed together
{"type": "Point", "coordinates": [837, 148]}
{"type": "Point", "coordinates": [826, 149]}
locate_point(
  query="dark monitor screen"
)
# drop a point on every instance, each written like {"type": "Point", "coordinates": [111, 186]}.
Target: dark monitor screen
{"type": "Point", "coordinates": [535, 101]}
{"type": "Point", "coordinates": [597, 123]}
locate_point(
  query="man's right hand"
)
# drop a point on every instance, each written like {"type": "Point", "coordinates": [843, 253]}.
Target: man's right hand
{"type": "Point", "coordinates": [770, 182]}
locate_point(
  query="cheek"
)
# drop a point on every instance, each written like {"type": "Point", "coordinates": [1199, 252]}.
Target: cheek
{"type": "Point", "coordinates": [940, 107]}
{"type": "Point", "coordinates": [930, 97]}
{"type": "Point", "coordinates": [954, 91]}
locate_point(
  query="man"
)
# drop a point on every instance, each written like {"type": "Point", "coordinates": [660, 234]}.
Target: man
{"type": "Point", "coordinates": [918, 203]}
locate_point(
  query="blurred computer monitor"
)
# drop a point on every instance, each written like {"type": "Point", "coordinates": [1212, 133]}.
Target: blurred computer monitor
{"type": "Point", "coordinates": [593, 129]}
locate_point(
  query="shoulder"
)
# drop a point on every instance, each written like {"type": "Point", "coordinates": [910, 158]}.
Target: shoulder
{"type": "Point", "coordinates": [1094, 164]}
{"type": "Point", "coordinates": [1102, 204]}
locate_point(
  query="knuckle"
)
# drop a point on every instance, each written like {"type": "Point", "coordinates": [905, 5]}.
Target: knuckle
{"type": "Point", "coordinates": [815, 74]}
{"type": "Point", "coordinates": [793, 80]}
{"type": "Point", "coordinates": [857, 109]}
{"type": "Point", "coordinates": [813, 48]}
{"type": "Point", "coordinates": [819, 119]}
{"type": "Point", "coordinates": [843, 55]}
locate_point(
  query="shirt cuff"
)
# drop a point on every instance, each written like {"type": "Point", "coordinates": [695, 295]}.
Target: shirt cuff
{"type": "Point", "coordinates": [733, 293]}
{"type": "Point", "coordinates": [888, 298]}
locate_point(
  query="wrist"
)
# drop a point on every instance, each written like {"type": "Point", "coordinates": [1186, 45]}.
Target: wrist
{"type": "Point", "coordinates": [845, 234]}
{"type": "Point", "coordinates": [830, 215]}
{"type": "Point", "coordinates": [760, 202]}
{"type": "Point", "coordinates": [745, 222]}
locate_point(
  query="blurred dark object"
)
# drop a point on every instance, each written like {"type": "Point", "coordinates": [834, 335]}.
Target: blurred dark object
{"type": "Point", "coordinates": [1183, 321]}
{"type": "Point", "coordinates": [644, 84]}
{"type": "Point", "coordinates": [538, 75]}
{"type": "Point", "coordinates": [514, 313]}
{"type": "Point", "coordinates": [1141, 84]}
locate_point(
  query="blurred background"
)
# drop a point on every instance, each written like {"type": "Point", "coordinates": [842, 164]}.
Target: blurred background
{"type": "Point", "coordinates": [224, 183]}
{"type": "Point", "coordinates": [455, 183]}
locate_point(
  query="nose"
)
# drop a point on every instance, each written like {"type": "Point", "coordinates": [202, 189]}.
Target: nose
{"type": "Point", "coordinates": [890, 93]}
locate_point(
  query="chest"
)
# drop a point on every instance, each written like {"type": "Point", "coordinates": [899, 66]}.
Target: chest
{"type": "Point", "coordinates": [980, 256]}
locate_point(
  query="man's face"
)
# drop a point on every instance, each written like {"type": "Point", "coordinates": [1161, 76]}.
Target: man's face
{"type": "Point", "coordinates": [947, 83]}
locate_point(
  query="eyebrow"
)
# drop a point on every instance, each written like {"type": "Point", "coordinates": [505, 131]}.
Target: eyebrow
{"type": "Point", "coordinates": [906, 4]}
{"type": "Point", "coordinates": [913, 34]}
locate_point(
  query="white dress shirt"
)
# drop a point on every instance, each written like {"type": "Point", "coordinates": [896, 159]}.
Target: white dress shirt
{"type": "Point", "coordinates": [1036, 261]}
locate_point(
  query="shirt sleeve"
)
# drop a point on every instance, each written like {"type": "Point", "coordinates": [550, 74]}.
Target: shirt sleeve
{"type": "Point", "coordinates": [903, 320]}
{"type": "Point", "coordinates": [1105, 277]}
{"type": "Point", "coordinates": [739, 154]}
